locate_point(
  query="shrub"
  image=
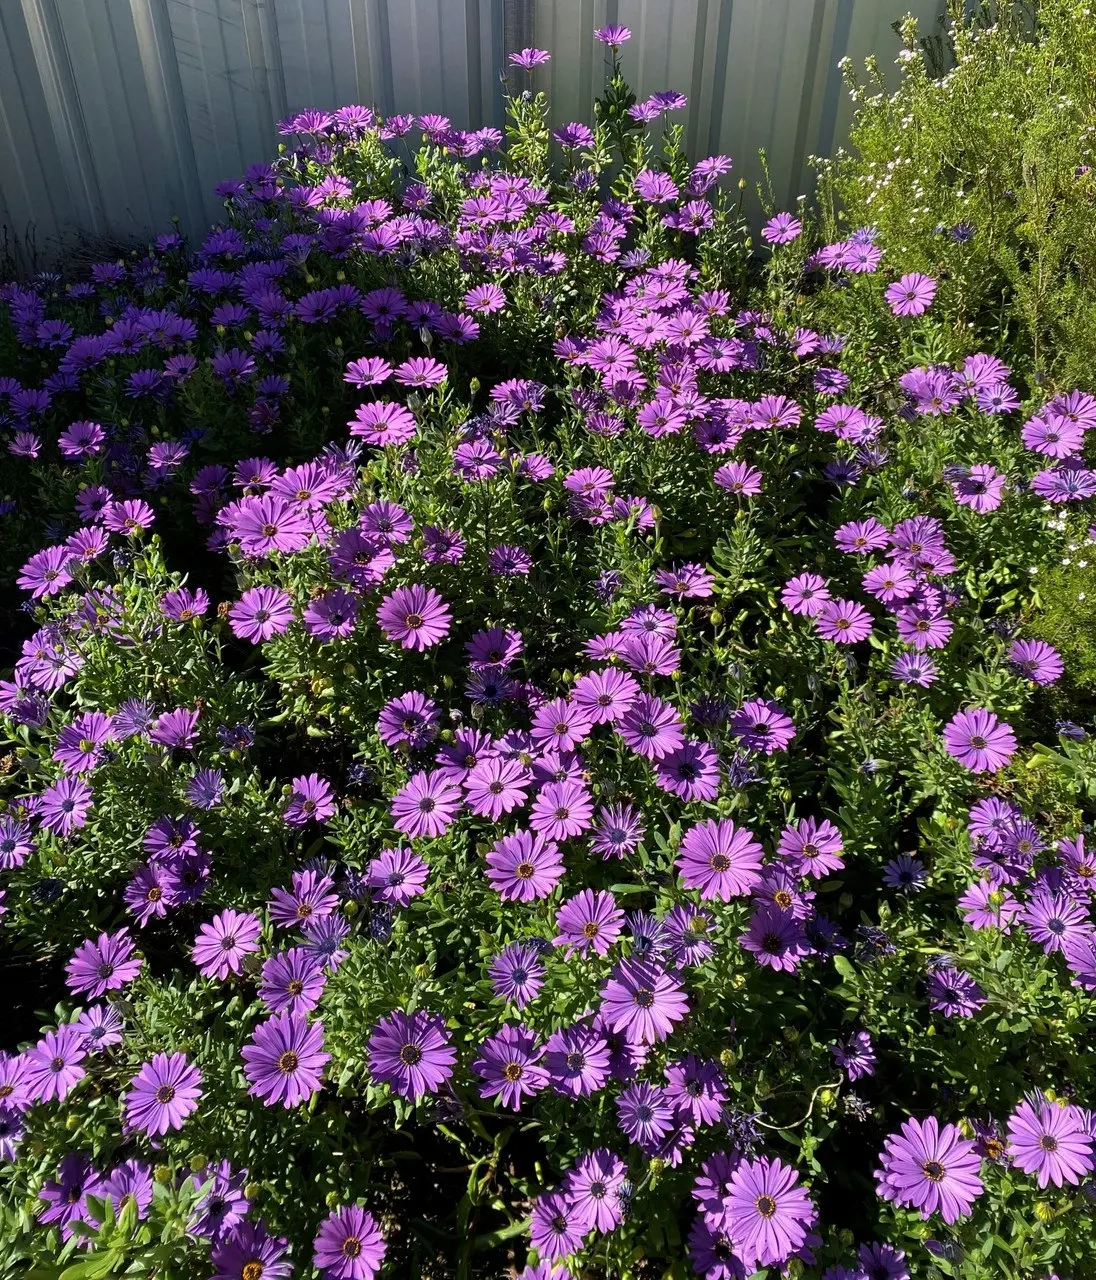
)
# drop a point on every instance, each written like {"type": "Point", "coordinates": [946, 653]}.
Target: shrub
{"type": "Point", "coordinates": [597, 801]}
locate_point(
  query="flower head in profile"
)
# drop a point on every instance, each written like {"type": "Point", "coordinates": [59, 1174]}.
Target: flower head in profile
{"type": "Point", "coordinates": [613, 36]}
{"type": "Point", "coordinates": [527, 59]}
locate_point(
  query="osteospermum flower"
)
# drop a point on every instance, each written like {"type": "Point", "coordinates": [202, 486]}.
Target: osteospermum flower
{"type": "Point", "coordinates": [930, 1167]}
{"type": "Point", "coordinates": [411, 1053]}
{"type": "Point", "coordinates": [843, 622]}
{"type": "Point", "coordinates": [517, 973]}
{"type": "Point", "coordinates": [104, 965]}
{"type": "Point", "coordinates": [763, 726]}
{"type": "Point", "coordinates": [53, 1066]}
{"type": "Point", "coordinates": [284, 1059]}
{"type": "Point", "coordinates": [1051, 1141]}
{"type": "Point", "coordinates": [642, 1001]}
{"type": "Point", "coordinates": [767, 1213]}
{"type": "Point", "coordinates": [221, 944]}
{"type": "Point", "coordinates": [261, 612]}
{"type": "Point", "coordinates": [1040, 662]}
{"type": "Point", "coordinates": [415, 616]}
{"type": "Point", "coordinates": [426, 806]}
{"type": "Point", "coordinates": [813, 848]}
{"type": "Point", "coordinates": [806, 594]}
{"type": "Point", "coordinates": [162, 1094]}
{"type": "Point", "coordinates": [311, 800]}
{"type": "Point", "coordinates": [508, 1063]}
{"type": "Point", "coordinates": [349, 1245]}
{"type": "Point", "coordinates": [524, 866]}
{"type": "Point", "coordinates": [397, 876]}
{"type": "Point", "coordinates": [912, 295]}
{"type": "Point", "coordinates": [979, 741]}
{"type": "Point", "coordinates": [720, 860]}
{"type": "Point", "coordinates": [248, 1252]}
{"type": "Point", "coordinates": [591, 920]}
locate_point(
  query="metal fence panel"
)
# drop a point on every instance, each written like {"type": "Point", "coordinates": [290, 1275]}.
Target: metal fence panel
{"type": "Point", "coordinates": [117, 115]}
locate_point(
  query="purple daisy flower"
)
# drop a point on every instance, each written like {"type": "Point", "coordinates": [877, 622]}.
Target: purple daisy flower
{"type": "Point", "coordinates": [642, 1001]}
{"type": "Point", "coordinates": [806, 594]}
{"type": "Point", "coordinates": [720, 860]}
{"type": "Point", "coordinates": [979, 741]}
{"type": "Point", "coordinates": [697, 1089]}
{"type": "Point", "coordinates": [292, 981]}
{"type": "Point", "coordinates": [349, 1245]}
{"type": "Point", "coordinates": [651, 728]}
{"type": "Point", "coordinates": [855, 1055]}
{"type": "Point", "coordinates": [1050, 1141]}
{"type": "Point", "coordinates": [221, 944]}
{"type": "Point", "coordinates": [162, 1094]}
{"type": "Point", "coordinates": [812, 848]}
{"type": "Point", "coordinates": [517, 973]}
{"type": "Point", "coordinates": [311, 896]}
{"type": "Point", "coordinates": [930, 1167]}
{"type": "Point", "coordinates": [768, 1214]}
{"type": "Point", "coordinates": [594, 1186]}
{"type": "Point", "coordinates": [425, 806]}
{"type": "Point", "coordinates": [577, 1060]}
{"type": "Point", "coordinates": [562, 810]}
{"type": "Point", "coordinates": [496, 786]}
{"type": "Point", "coordinates": [416, 616]}
{"type": "Point", "coordinates": [65, 805]}
{"type": "Point", "coordinates": [589, 920]}
{"type": "Point", "coordinates": [556, 1230]}
{"type": "Point", "coordinates": [524, 866]}
{"type": "Point", "coordinates": [617, 831]}
{"type": "Point", "coordinates": [311, 800]}
{"type": "Point", "coordinates": [411, 1053]}
{"type": "Point", "coordinates": [247, 1252]}
{"type": "Point", "coordinates": [397, 876]}
{"type": "Point", "coordinates": [411, 718]}
{"type": "Point", "coordinates": [954, 993]}
{"type": "Point", "coordinates": [911, 295]}
{"type": "Point", "coordinates": [763, 726]}
{"type": "Point", "coordinates": [508, 1063]}
{"type": "Point", "coordinates": [284, 1059]}
{"type": "Point", "coordinates": [222, 1204]}
{"type": "Point", "coordinates": [261, 612]}
{"type": "Point", "coordinates": [691, 772]}
{"type": "Point", "coordinates": [644, 1112]}
{"type": "Point", "coordinates": [104, 965]}
{"type": "Point", "coordinates": [775, 938]}
{"type": "Point", "coordinates": [1038, 661]}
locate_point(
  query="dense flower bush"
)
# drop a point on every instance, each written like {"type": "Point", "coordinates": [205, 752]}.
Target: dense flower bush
{"type": "Point", "coordinates": [532, 751]}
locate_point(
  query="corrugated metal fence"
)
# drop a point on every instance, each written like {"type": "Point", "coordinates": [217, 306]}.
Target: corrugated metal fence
{"type": "Point", "coordinates": [116, 115]}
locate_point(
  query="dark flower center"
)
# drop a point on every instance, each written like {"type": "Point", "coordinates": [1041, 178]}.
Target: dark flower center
{"type": "Point", "coordinates": [288, 1062]}
{"type": "Point", "coordinates": [410, 1055]}
{"type": "Point", "coordinates": [524, 870]}
{"type": "Point", "coordinates": [57, 1064]}
{"type": "Point", "coordinates": [413, 621]}
{"type": "Point", "coordinates": [1056, 926]}
{"type": "Point", "coordinates": [105, 970]}
{"type": "Point", "coordinates": [270, 530]}
{"type": "Point", "coordinates": [513, 1071]}
{"type": "Point", "coordinates": [1048, 1142]}
{"type": "Point", "coordinates": [351, 1247]}
{"type": "Point", "coordinates": [978, 742]}
{"type": "Point", "coordinates": [590, 929]}
{"type": "Point", "coordinates": [933, 1170]}
{"type": "Point", "coordinates": [561, 813]}
{"type": "Point", "coordinates": [252, 1270]}
{"type": "Point", "coordinates": [765, 1205]}
{"type": "Point", "coordinates": [782, 898]}
{"type": "Point", "coordinates": [643, 998]}
{"type": "Point", "coordinates": [720, 862]}
{"type": "Point", "coordinates": [165, 1093]}
{"type": "Point", "coordinates": [295, 987]}
{"type": "Point", "coordinates": [772, 944]}
{"type": "Point", "coordinates": [154, 894]}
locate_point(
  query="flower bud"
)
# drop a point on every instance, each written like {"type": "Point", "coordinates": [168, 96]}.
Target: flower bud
{"type": "Point", "coordinates": [162, 1174]}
